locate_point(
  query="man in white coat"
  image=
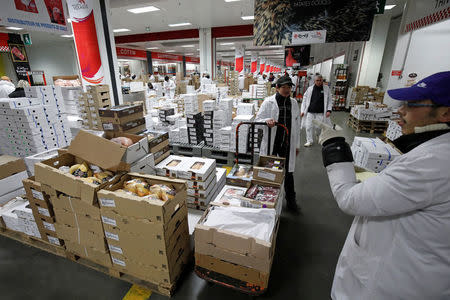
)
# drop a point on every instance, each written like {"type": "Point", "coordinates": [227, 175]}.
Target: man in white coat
{"type": "Point", "coordinates": [317, 105]}
{"type": "Point", "coordinates": [398, 246]}
{"type": "Point", "coordinates": [6, 87]}
{"type": "Point", "coordinates": [284, 110]}
{"type": "Point", "coordinates": [169, 88]}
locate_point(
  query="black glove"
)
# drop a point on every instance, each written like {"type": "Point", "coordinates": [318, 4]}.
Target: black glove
{"type": "Point", "coordinates": [336, 150]}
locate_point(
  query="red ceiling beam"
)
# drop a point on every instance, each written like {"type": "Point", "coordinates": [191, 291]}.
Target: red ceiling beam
{"type": "Point", "coordinates": [157, 36]}
{"type": "Point", "coordinates": [232, 31]}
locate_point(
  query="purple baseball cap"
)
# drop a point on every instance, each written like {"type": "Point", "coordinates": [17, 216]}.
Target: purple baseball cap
{"type": "Point", "coordinates": [435, 87]}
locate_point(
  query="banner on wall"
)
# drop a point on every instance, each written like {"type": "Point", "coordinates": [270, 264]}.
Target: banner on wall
{"type": "Point", "coordinates": [423, 13]}
{"type": "Point", "coordinates": [19, 56]}
{"type": "Point", "coordinates": [262, 65]}
{"type": "Point", "coordinates": [38, 15]}
{"type": "Point", "coordinates": [83, 24]}
{"type": "Point", "coordinates": [254, 63]}
{"type": "Point", "coordinates": [268, 66]}
{"type": "Point", "coordinates": [239, 58]}
{"type": "Point", "coordinates": [296, 56]}
{"type": "Point", "coordinates": [287, 22]}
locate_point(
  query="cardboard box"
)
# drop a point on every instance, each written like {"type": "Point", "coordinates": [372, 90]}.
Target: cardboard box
{"type": "Point", "coordinates": [156, 211]}
{"type": "Point", "coordinates": [247, 202]}
{"type": "Point", "coordinates": [122, 113]}
{"type": "Point", "coordinates": [92, 254]}
{"type": "Point", "coordinates": [47, 172]}
{"type": "Point", "coordinates": [11, 195]}
{"type": "Point", "coordinates": [161, 155]}
{"type": "Point", "coordinates": [235, 248]}
{"type": "Point", "coordinates": [106, 154]}
{"type": "Point", "coordinates": [81, 237]}
{"type": "Point", "coordinates": [13, 182]}
{"type": "Point", "coordinates": [269, 174]}
{"type": "Point", "coordinates": [79, 220]}
{"type": "Point", "coordinates": [234, 179]}
{"type": "Point", "coordinates": [158, 147]}
{"type": "Point", "coordinates": [10, 165]}
{"type": "Point", "coordinates": [130, 126]}
{"type": "Point", "coordinates": [146, 165]}
{"type": "Point", "coordinates": [75, 205]}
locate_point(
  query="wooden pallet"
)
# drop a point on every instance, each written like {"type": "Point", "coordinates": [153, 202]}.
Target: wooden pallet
{"type": "Point", "coordinates": [367, 126]}
{"type": "Point", "coordinates": [160, 288]}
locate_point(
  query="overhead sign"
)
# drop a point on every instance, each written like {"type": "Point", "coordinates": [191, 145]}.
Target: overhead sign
{"type": "Point", "coordinates": [344, 21]}
{"type": "Point", "coordinates": [308, 37]}
{"type": "Point", "coordinates": [19, 59]}
{"type": "Point", "coordinates": [142, 55]}
{"type": "Point", "coordinates": [26, 39]}
{"type": "Point", "coordinates": [423, 13]}
{"type": "Point", "coordinates": [39, 15]}
{"type": "Point", "coordinates": [126, 52]}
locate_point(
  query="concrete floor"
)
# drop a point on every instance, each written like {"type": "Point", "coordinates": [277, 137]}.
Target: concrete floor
{"type": "Point", "coordinates": [308, 247]}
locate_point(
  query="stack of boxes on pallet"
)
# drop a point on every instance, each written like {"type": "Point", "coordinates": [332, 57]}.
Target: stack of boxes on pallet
{"type": "Point", "coordinates": [158, 144]}
{"type": "Point", "coordinates": [208, 111]}
{"type": "Point", "coordinates": [147, 239]}
{"type": "Point", "coordinates": [203, 183]}
{"type": "Point", "coordinates": [361, 94]}
{"type": "Point", "coordinates": [123, 118]}
{"type": "Point", "coordinates": [164, 115]}
{"type": "Point", "coordinates": [234, 83]}
{"type": "Point", "coordinates": [195, 128]}
{"type": "Point", "coordinates": [258, 91]}
{"type": "Point", "coordinates": [70, 96]}
{"type": "Point", "coordinates": [221, 124]}
{"type": "Point", "coordinates": [97, 97]}
{"type": "Point", "coordinates": [18, 216]}
{"type": "Point", "coordinates": [35, 123]}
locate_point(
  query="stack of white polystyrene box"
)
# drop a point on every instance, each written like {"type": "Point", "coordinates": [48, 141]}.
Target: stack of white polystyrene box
{"type": "Point", "coordinates": [70, 95]}
{"type": "Point", "coordinates": [34, 124]}
{"type": "Point", "coordinates": [394, 131]}
{"type": "Point", "coordinates": [222, 92]}
{"type": "Point", "coordinates": [190, 104]}
{"type": "Point", "coordinates": [209, 88]}
{"type": "Point", "coordinates": [371, 111]}
{"type": "Point", "coordinates": [223, 139]}
{"type": "Point", "coordinates": [190, 89]}
{"type": "Point", "coordinates": [183, 135]}
{"type": "Point", "coordinates": [372, 154]}
{"type": "Point", "coordinates": [208, 112]}
{"type": "Point", "coordinates": [245, 109]}
{"type": "Point", "coordinates": [243, 132]}
{"type": "Point", "coordinates": [258, 91]}
{"type": "Point", "coordinates": [223, 118]}
{"type": "Point", "coordinates": [18, 216]}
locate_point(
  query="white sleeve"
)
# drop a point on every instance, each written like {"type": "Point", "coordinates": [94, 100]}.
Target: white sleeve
{"type": "Point", "coordinates": [305, 96]}
{"type": "Point", "coordinates": [263, 114]}
{"type": "Point", "coordinates": [330, 101]}
{"type": "Point", "coordinates": [401, 188]}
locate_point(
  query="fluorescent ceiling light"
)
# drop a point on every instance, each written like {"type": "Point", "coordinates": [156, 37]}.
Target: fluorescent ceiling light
{"type": "Point", "coordinates": [152, 48]}
{"type": "Point", "coordinates": [188, 46]}
{"type": "Point", "coordinates": [170, 50]}
{"type": "Point", "coordinates": [189, 54]}
{"type": "Point", "coordinates": [67, 35]}
{"type": "Point", "coordinates": [180, 24]}
{"type": "Point", "coordinates": [275, 46]}
{"type": "Point", "coordinates": [388, 7]}
{"type": "Point", "coordinates": [121, 30]}
{"type": "Point", "coordinates": [248, 17]}
{"type": "Point", "coordinates": [233, 48]}
{"type": "Point", "coordinates": [69, 20]}
{"type": "Point", "coordinates": [144, 9]}
{"type": "Point", "coordinates": [198, 49]}
{"type": "Point", "coordinates": [232, 0]}
{"type": "Point", "coordinates": [226, 44]}
{"type": "Point", "coordinates": [14, 28]}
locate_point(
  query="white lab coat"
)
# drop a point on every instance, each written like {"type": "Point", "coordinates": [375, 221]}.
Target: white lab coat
{"type": "Point", "coordinates": [6, 88]}
{"type": "Point", "coordinates": [169, 89]}
{"type": "Point", "coordinates": [398, 246]}
{"type": "Point", "coordinates": [328, 103]}
{"type": "Point", "coordinates": [152, 78]}
{"type": "Point", "coordinates": [269, 110]}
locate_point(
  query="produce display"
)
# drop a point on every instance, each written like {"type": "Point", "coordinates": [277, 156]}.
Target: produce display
{"type": "Point", "coordinates": [262, 193]}
{"type": "Point", "coordinates": [144, 189]}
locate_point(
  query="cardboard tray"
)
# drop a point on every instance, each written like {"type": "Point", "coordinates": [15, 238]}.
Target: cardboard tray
{"type": "Point", "coordinates": [10, 165]}
{"type": "Point", "coordinates": [155, 211]}
{"type": "Point", "coordinates": [120, 111]}
{"type": "Point", "coordinates": [268, 174]}
{"type": "Point", "coordinates": [128, 126]}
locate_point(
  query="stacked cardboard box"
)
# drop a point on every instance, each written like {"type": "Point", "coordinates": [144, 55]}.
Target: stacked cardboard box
{"type": "Point", "coordinates": [97, 97]}
{"type": "Point", "coordinates": [371, 111]}
{"type": "Point", "coordinates": [12, 172]}
{"type": "Point", "coordinates": [123, 118]}
{"type": "Point", "coordinates": [18, 216]}
{"type": "Point", "coordinates": [195, 127]}
{"type": "Point", "coordinates": [164, 113]}
{"type": "Point", "coordinates": [209, 108]}
{"type": "Point", "coordinates": [158, 144]}
{"type": "Point", "coordinates": [147, 238]}
{"type": "Point", "coordinates": [43, 212]}
{"type": "Point", "coordinates": [372, 154]}
{"type": "Point", "coordinates": [361, 94]}
{"type": "Point", "coordinates": [200, 173]}
{"type": "Point", "coordinates": [234, 83]}
{"type": "Point", "coordinates": [34, 124]}
{"type": "Point", "coordinates": [258, 91]}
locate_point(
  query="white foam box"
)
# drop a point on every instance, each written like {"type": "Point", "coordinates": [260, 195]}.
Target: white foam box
{"type": "Point", "coordinates": [11, 195]}
{"type": "Point", "coordinates": [33, 159]}
{"type": "Point", "coordinates": [165, 169]}
{"type": "Point", "coordinates": [198, 200]}
{"type": "Point", "coordinates": [201, 185]}
{"type": "Point", "coordinates": [18, 102]}
{"type": "Point", "coordinates": [245, 109]}
{"type": "Point", "coordinates": [196, 168]}
{"type": "Point", "coordinates": [209, 105]}
{"type": "Point", "coordinates": [12, 183]}
{"type": "Point", "coordinates": [203, 193]}
{"type": "Point", "coordinates": [24, 211]}
{"type": "Point", "coordinates": [145, 165]}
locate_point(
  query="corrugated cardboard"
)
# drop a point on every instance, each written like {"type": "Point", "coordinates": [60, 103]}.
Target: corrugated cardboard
{"type": "Point", "coordinates": [122, 113]}
{"type": "Point", "coordinates": [46, 172]}
{"type": "Point", "coordinates": [160, 146]}
{"type": "Point", "coordinates": [141, 250]}
{"type": "Point", "coordinates": [156, 211]}
{"type": "Point", "coordinates": [13, 182]}
{"type": "Point", "coordinates": [161, 155]}
{"type": "Point", "coordinates": [106, 154]}
{"type": "Point", "coordinates": [75, 205]}
{"type": "Point", "coordinates": [10, 165]}
{"type": "Point", "coordinates": [236, 271]}
{"type": "Point", "coordinates": [130, 126]}
{"type": "Point", "coordinates": [268, 174]}
{"type": "Point", "coordinates": [81, 221]}
{"type": "Point", "coordinates": [247, 202]}
{"type": "Point", "coordinates": [92, 254]}
{"type": "Point", "coordinates": [82, 237]}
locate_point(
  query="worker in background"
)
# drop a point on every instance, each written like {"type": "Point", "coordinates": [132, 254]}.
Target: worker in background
{"type": "Point", "coordinates": [271, 77]}
{"type": "Point", "coordinates": [317, 105]}
{"type": "Point", "coordinates": [150, 90]}
{"type": "Point", "coordinates": [19, 92]}
{"type": "Point", "coordinates": [284, 110]}
{"type": "Point", "coordinates": [398, 246]}
{"type": "Point", "coordinates": [151, 78]}
{"type": "Point", "coordinates": [169, 88]}
{"type": "Point", "coordinates": [294, 79]}
{"type": "Point", "coordinates": [6, 87]}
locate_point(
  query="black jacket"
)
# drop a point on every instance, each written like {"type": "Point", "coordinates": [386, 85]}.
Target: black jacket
{"type": "Point", "coordinates": [18, 93]}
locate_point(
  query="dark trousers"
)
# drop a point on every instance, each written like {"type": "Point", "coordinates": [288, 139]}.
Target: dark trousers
{"type": "Point", "coordinates": [289, 187]}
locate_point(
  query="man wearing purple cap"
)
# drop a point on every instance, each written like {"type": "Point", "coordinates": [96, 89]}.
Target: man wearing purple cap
{"type": "Point", "coordinates": [398, 246]}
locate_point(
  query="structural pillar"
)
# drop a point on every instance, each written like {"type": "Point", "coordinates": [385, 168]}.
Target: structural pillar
{"type": "Point", "coordinates": [206, 53]}
{"type": "Point", "coordinates": [149, 62]}
{"type": "Point", "coordinates": [95, 46]}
